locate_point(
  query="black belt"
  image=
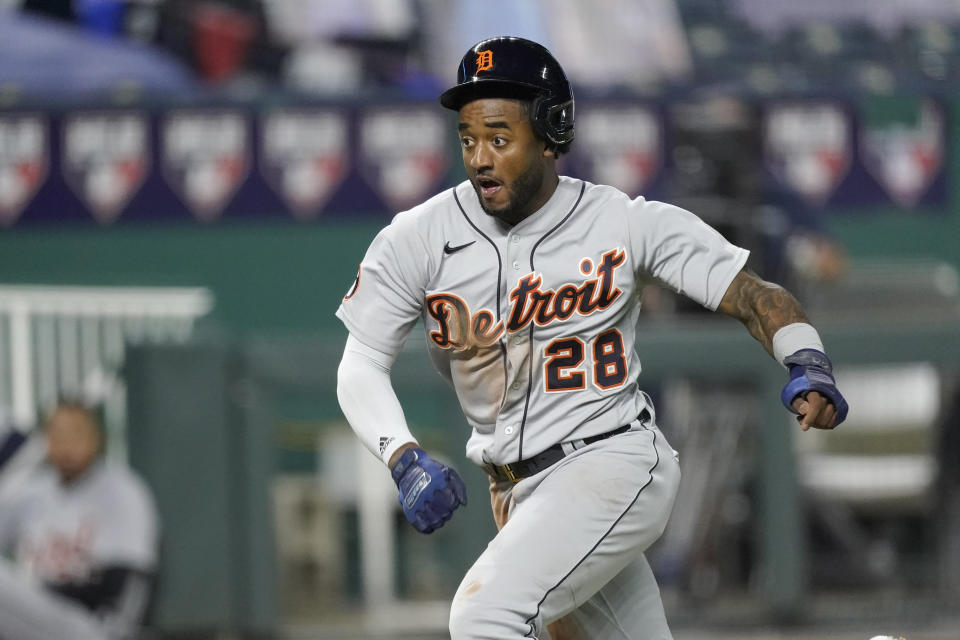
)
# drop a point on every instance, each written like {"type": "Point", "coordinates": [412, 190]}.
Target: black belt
{"type": "Point", "coordinates": [517, 471]}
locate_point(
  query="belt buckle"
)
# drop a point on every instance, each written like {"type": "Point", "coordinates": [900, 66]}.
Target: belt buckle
{"type": "Point", "coordinates": [511, 476]}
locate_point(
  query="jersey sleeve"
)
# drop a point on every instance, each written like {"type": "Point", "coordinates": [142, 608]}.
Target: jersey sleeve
{"type": "Point", "coordinates": [386, 298]}
{"type": "Point", "coordinates": [129, 535]}
{"type": "Point", "coordinates": [677, 248]}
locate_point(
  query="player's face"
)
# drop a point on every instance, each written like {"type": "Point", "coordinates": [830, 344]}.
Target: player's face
{"type": "Point", "coordinates": [73, 441]}
{"type": "Point", "coordinates": [510, 169]}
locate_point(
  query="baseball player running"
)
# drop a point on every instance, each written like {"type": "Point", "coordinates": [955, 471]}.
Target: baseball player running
{"type": "Point", "coordinates": [528, 285]}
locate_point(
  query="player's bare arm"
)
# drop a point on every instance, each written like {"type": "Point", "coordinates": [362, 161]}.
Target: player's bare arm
{"type": "Point", "coordinates": [765, 308]}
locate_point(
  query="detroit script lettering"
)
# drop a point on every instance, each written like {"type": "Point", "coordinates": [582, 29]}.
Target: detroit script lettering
{"type": "Point", "coordinates": [458, 329]}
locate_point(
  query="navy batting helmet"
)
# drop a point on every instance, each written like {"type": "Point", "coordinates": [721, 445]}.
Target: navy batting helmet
{"type": "Point", "coordinates": [508, 67]}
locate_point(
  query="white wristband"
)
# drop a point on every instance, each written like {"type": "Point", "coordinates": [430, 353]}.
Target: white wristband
{"type": "Point", "coordinates": [793, 337]}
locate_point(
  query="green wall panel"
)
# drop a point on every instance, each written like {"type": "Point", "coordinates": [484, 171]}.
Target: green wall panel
{"type": "Point", "coordinates": [897, 234]}
{"type": "Point", "coordinates": [264, 276]}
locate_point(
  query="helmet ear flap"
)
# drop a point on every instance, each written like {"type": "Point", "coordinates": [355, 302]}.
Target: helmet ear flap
{"type": "Point", "coordinates": [559, 118]}
{"type": "Point", "coordinates": [554, 123]}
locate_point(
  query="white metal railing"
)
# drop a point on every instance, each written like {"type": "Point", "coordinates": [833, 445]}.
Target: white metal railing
{"type": "Point", "coordinates": [66, 340]}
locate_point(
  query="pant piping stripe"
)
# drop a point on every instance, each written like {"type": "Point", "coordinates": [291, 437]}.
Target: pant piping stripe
{"type": "Point", "coordinates": [530, 620]}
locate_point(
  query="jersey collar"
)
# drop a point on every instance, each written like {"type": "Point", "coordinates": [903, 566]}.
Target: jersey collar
{"type": "Point", "coordinates": [559, 204]}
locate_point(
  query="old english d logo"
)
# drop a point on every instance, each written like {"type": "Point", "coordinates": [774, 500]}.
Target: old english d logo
{"type": "Point", "coordinates": [484, 60]}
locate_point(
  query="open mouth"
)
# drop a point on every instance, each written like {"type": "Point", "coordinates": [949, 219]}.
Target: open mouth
{"type": "Point", "coordinates": [488, 186]}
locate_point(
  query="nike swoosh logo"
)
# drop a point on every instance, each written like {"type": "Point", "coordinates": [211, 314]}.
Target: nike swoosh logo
{"type": "Point", "coordinates": [447, 249]}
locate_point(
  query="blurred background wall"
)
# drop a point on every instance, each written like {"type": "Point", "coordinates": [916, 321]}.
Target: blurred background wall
{"type": "Point", "coordinates": [238, 156]}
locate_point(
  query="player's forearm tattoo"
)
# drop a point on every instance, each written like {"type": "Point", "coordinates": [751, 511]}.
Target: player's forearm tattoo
{"type": "Point", "coordinates": [763, 307]}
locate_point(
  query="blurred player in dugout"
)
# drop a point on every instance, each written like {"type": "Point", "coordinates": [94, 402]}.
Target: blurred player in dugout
{"type": "Point", "coordinates": [79, 540]}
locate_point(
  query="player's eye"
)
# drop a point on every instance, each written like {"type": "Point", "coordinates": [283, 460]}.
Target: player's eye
{"type": "Point", "coordinates": [499, 141]}
{"type": "Point", "coordinates": [466, 143]}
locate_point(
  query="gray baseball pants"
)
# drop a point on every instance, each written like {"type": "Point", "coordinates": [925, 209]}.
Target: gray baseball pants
{"type": "Point", "coordinates": [29, 612]}
{"type": "Point", "coordinates": [573, 543]}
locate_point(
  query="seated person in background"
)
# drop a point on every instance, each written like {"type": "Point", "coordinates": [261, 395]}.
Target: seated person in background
{"type": "Point", "coordinates": [81, 538]}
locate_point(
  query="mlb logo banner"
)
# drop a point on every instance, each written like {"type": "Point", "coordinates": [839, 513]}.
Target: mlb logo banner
{"type": "Point", "coordinates": [903, 141]}
{"type": "Point", "coordinates": [807, 146]}
{"type": "Point", "coordinates": [24, 162]}
{"type": "Point", "coordinates": [206, 157]}
{"type": "Point", "coordinates": [620, 146]}
{"type": "Point", "coordinates": [403, 153]}
{"type": "Point", "coordinates": [304, 156]}
{"type": "Point", "coordinates": [105, 158]}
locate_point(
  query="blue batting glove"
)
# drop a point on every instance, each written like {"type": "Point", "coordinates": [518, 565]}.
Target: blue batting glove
{"type": "Point", "coordinates": [811, 370]}
{"type": "Point", "coordinates": [429, 491]}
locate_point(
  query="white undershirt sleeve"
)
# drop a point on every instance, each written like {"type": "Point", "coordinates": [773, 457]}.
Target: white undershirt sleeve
{"type": "Point", "coordinates": [368, 400]}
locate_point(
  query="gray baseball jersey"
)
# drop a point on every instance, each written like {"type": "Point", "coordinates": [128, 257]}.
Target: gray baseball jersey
{"type": "Point", "coordinates": [64, 533]}
{"type": "Point", "coordinates": [534, 324]}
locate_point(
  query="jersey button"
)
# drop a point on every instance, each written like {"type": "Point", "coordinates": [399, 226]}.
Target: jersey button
{"type": "Point", "coordinates": [516, 265]}
{"type": "Point", "coordinates": [509, 430]}
{"type": "Point", "coordinates": [516, 385]}
{"type": "Point", "coordinates": [515, 238]}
